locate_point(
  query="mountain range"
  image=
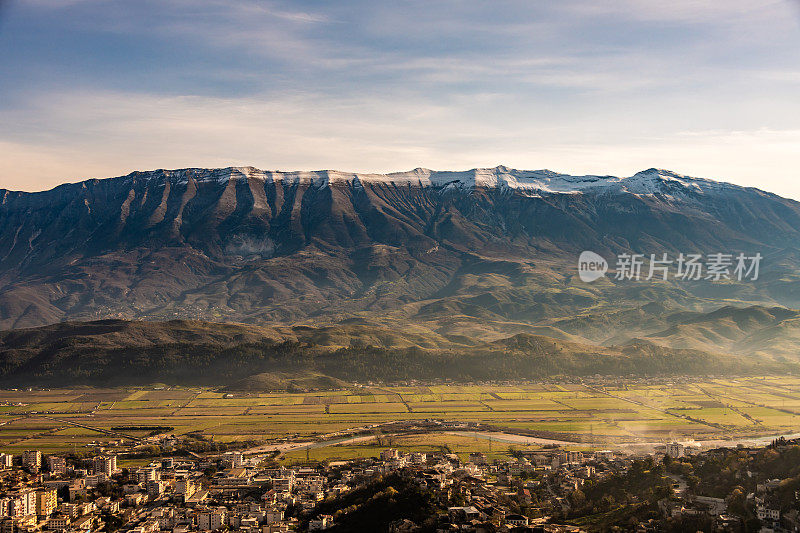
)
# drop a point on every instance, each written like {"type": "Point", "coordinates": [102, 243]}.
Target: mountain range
{"type": "Point", "coordinates": [440, 259]}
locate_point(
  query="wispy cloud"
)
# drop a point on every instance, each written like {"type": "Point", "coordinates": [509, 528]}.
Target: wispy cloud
{"type": "Point", "coordinates": [311, 131]}
{"type": "Point", "coordinates": [686, 11]}
{"type": "Point", "coordinates": [93, 88]}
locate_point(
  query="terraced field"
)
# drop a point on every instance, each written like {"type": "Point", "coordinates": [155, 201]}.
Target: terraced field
{"type": "Point", "coordinates": [602, 413]}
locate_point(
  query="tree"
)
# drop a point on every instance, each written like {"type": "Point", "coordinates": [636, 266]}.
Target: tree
{"type": "Point", "coordinates": [737, 502]}
{"type": "Point", "coordinates": [577, 499]}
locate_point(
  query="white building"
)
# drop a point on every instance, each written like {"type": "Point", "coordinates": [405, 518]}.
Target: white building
{"type": "Point", "coordinates": [274, 515]}
{"type": "Point", "coordinates": [238, 460]}
{"type": "Point", "coordinates": [390, 454]}
{"type": "Point", "coordinates": [32, 460]}
{"type": "Point", "coordinates": [143, 475]}
{"type": "Point", "coordinates": [155, 488]}
{"type": "Point", "coordinates": [185, 486]}
{"type": "Point", "coordinates": [211, 520]}
{"type": "Point", "coordinates": [56, 464]}
{"type": "Point", "coordinates": [58, 523]}
{"type": "Point", "coordinates": [320, 523]}
{"type": "Point", "coordinates": [766, 513]}
{"type": "Point", "coordinates": [604, 455]}
{"type": "Point", "coordinates": [515, 520]}
{"type": "Point", "coordinates": [675, 449]}
{"type": "Point", "coordinates": [105, 464]}
{"type": "Point", "coordinates": [23, 502]}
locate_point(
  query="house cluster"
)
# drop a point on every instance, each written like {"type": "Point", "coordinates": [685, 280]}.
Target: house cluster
{"type": "Point", "coordinates": [248, 493]}
{"type": "Point", "coordinates": [769, 508]}
{"type": "Point", "coordinates": [46, 493]}
{"type": "Point", "coordinates": [237, 492]}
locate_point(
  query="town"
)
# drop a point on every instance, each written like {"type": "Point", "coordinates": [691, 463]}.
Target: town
{"type": "Point", "coordinates": [671, 488]}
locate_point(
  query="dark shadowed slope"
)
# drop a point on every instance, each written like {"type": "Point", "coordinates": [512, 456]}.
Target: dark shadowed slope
{"type": "Point", "coordinates": [252, 357]}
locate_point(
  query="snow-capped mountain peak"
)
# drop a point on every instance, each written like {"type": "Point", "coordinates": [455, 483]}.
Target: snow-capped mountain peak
{"type": "Point", "coordinates": [653, 181]}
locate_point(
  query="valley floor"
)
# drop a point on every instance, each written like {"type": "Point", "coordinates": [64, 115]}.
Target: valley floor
{"type": "Point", "coordinates": [363, 419]}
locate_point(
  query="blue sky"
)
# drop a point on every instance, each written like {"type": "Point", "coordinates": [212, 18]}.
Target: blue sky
{"type": "Point", "coordinates": [92, 88]}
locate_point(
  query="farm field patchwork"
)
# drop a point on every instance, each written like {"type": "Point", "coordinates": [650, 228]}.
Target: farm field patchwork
{"type": "Point", "coordinates": [612, 412]}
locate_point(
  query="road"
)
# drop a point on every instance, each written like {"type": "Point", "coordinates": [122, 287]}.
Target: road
{"type": "Point", "coordinates": [99, 430]}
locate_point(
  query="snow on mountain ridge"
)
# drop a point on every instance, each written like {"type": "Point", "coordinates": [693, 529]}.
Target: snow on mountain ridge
{"type": "Point", "coordinates": [650, 181]}
{"type": "Point", "coordinates": [647, 182]}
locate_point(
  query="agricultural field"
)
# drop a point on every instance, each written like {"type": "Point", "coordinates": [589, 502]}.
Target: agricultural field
{"type": "Point", "coordinates": [601, 413]}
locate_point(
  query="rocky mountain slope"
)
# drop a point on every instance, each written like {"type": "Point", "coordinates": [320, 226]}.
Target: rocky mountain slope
{"type": "Point", "coordinates": [467, 257]}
